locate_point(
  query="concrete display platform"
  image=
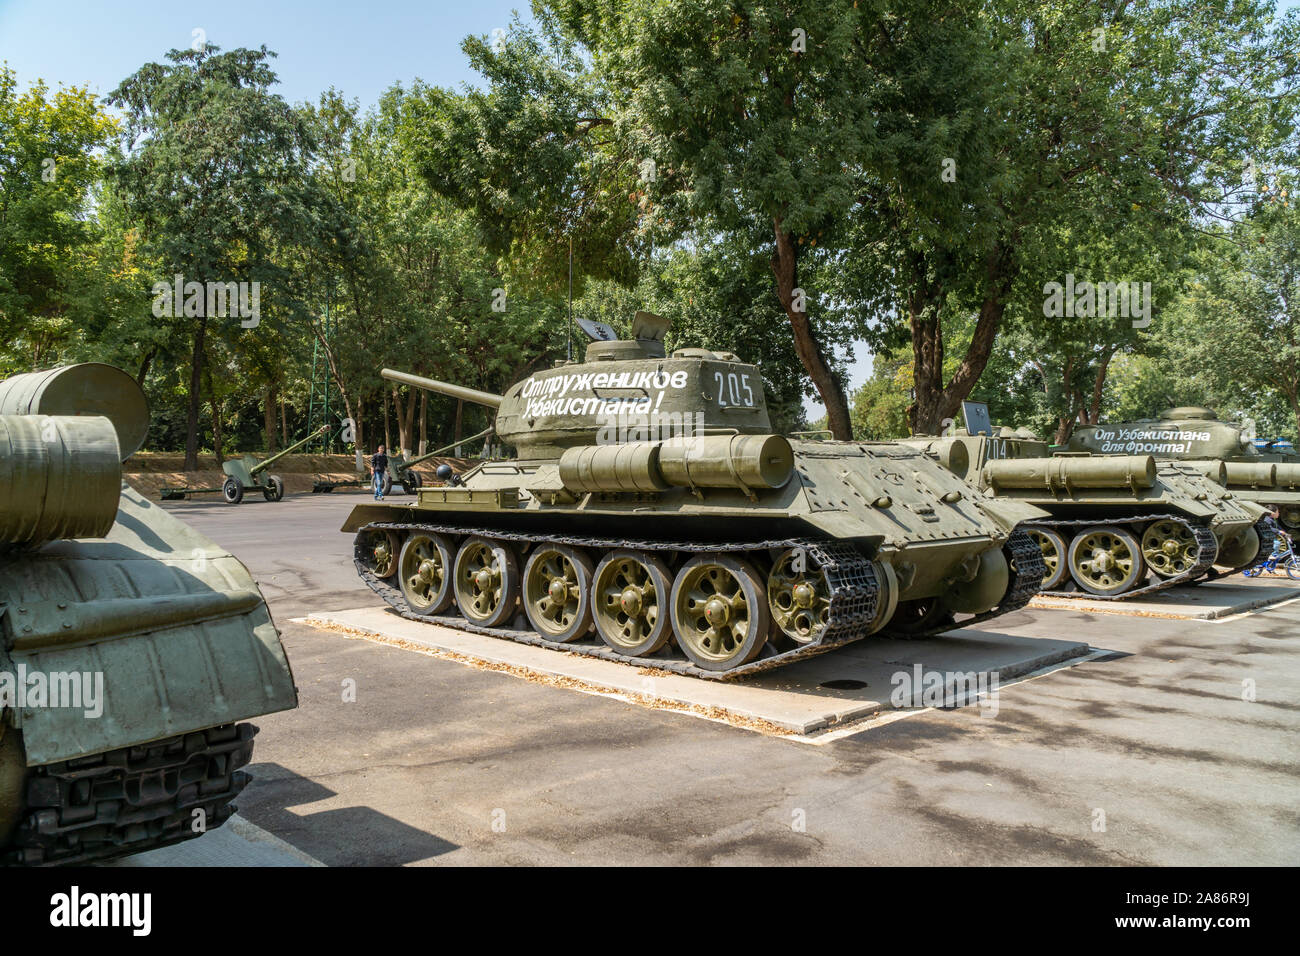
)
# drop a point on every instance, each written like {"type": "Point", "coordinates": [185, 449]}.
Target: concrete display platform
{"type": "Point", "coordinates": [848, 686]}
{"type": "Point", "coordinates": [235, 843]}
{"type": "Point", "coordinates": [1204, 602]}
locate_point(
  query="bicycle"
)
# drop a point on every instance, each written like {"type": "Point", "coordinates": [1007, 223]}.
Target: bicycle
{"type": "Point", "coordinates": [1280, 562]}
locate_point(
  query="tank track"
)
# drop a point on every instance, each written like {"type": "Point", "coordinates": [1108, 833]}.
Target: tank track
{"type": "Point", "coordinates": [130, 800]}
{"type": "Point", "coordinates": [851, 577]}
{"type": "Point", "coordinates": [1208, 550]}
{"type": "Point", "coordinates": [1029, 569]}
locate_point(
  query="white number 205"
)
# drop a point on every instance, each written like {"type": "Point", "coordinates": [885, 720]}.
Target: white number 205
{"type": "Point", "coordinates": [735, 390]}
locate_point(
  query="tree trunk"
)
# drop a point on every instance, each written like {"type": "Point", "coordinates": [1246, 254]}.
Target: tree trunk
{"type": "Point", "coordinates": [934, 400]}
{"type": "Point", "coordinates": [218, 445]}
{"type": "Point", "coordinates": [424, 421]}
{"type": "Point", "coordinates": [192, 410]}
{"type": "Point", "coordinates": [388, 430]}
{"type": "Point", "coordinates": [405, 418]}
{"type": "Point", "coordinates": [460, 423]}
{"type": "Point", "coordinates": [268, 419]}
{"type": "Point", "coordinates": [284, 422]}
{"type": "Point", "coordinates": [145, 365]}
{"type": "Point", "coordinates": [785, 267]}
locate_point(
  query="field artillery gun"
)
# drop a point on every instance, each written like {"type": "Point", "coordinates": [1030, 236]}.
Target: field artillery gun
{"type": "Point", "coordinates": [1116, 526]}
{"type": "Point", "coordinates": [131, 647]}
{"type": "Point", "coordinates": [245, 474]}
{"type": "Point", "coordinates": [1195, 435]}
{"type": "Point", "coordinates": [653, 516]}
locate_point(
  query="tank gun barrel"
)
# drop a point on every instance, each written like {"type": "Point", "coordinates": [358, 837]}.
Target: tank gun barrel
{"type": "Point", "coordinates": [433, 385]}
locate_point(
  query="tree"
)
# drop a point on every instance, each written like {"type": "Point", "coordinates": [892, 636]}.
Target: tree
{"type": "Point", "coordinates": [213, 169]}
{"type": "Point", "coordinates": [1027, 122]}
{"type": "Point", "coordinates": [48, 166]}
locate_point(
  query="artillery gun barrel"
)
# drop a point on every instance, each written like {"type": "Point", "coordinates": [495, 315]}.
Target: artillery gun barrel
{"type": "Point", "coordinates": [261, 466]}
{"type": "Point", "coordinates": [438, 451]}
{"type": "Point", "coordinates": [433, 385]}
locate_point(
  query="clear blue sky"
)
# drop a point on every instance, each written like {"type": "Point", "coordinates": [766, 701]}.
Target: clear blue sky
{"type": "Point", "coordinates": [361, 48]}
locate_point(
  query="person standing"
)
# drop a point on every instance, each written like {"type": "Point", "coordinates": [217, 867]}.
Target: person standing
{"type": "Point", "coordinates": [378, 469]}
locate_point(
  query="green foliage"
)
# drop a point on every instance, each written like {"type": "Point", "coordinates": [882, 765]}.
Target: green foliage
{"type": "Point", "coordinates": [50, 275]}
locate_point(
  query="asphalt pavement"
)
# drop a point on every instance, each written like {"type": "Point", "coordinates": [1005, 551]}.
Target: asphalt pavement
{"type": "Point", "coordinates": [1177, 746]}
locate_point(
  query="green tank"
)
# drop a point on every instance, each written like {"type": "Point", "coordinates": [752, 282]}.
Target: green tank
{"type": "Point", "coordinates": [1195, 434]}
{"type": "Point", "coordinates": [652, 515]}
{"type": "Point", "coordinates": [1117, 526]}
{"type": "Point", "coordinates": [131, 646]}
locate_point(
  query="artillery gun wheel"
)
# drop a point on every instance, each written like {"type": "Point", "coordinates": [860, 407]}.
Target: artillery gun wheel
{"type": "Point", "coordinates": [1053, 547]}
{"type": "Point", "coordinates": [411, 482]}
{"type": "Point", "coordinates": [425, 579]}
{"type": "Point", "coordinates": [798, 596]}
{"type": "Point", "coordinates": [274, 490]}
{"type": "Point", "coordinates": [232, 489]}
{"type": "Point", "coordinates": [557, 592]}
{"type": "Point", "coordinates": [630, 593]}
{"type": "Point", "coordinates": [486, 581]}
{"type": "Point", "coordinates": [720, 613]}
{"type": "Point", "coordinates": [382, 551]}
{"type": "Point", "coordinates": [1169, 548]}
{"type": "Point", "coordinates": [386, 485]}
{"type": "Point", "coordinates": [1106, 560]}
{"type": "Point", "coordinates": [917, 616]}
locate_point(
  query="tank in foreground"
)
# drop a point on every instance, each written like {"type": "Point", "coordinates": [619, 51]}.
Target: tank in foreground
{"type": "Point", "coordinates": [1117, 526]}
{"type": "Point", "coordinates": [131, 646]}
{"type": "Point", "coordinates": [652, 516]}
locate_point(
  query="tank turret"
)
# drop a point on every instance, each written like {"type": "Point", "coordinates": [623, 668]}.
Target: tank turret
{"type": "Point", "coordinates": [152, 643]}
{"type": "Point", "coordinates": [652, 514]}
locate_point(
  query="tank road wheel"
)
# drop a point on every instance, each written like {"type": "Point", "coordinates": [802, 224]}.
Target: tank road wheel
{"type": "Point", "coordinates": [1106, 560]}
{"type": "Point", "coordinates": [557, 592]}
{"type": "Point", "coordinates": [232, 489]}
{"type": "Point", "coordinates": [1169, 548]}
{"type": "Point", "coordinates": [630, 594]}
{"type": "Point", "coordinates": [1289, 518]}
{"type": "Point", "coordinates": [380, 552]}
{"type": "Point", "coordinates": [425, 579]}
{"type": "Point", "coordinates": [486, 581]}
{"type": "Point", "coordinates": [720, 613]}
{"type": "Point", "coordinates": [274, 490]}
{"type": "Point", "coordinates": [1053, 547]}
{"type": "Point", "coordinates": [799, 596]}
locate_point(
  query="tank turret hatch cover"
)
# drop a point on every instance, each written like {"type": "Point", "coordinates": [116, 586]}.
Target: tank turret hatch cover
{"type": "Point", "coordinates": [1192, 412]}
{"type": "Point", "coordinates": [647, 328]}
{"type": "Point", "coordinates": [598, 331]}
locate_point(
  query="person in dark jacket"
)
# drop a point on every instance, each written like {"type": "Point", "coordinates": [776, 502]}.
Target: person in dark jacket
{"type": "Point", "coordinates": [378, 469]}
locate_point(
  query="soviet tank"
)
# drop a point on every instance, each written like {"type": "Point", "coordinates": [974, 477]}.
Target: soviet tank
{"type": "Point", "coordinates": [652, 515]}
{"type": "Point", "coordinates": [132, 648]}
{"type": "Point", "coordinates": [1267, 476]}
{"type": "Point", "coordinates": [1117, 526]}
